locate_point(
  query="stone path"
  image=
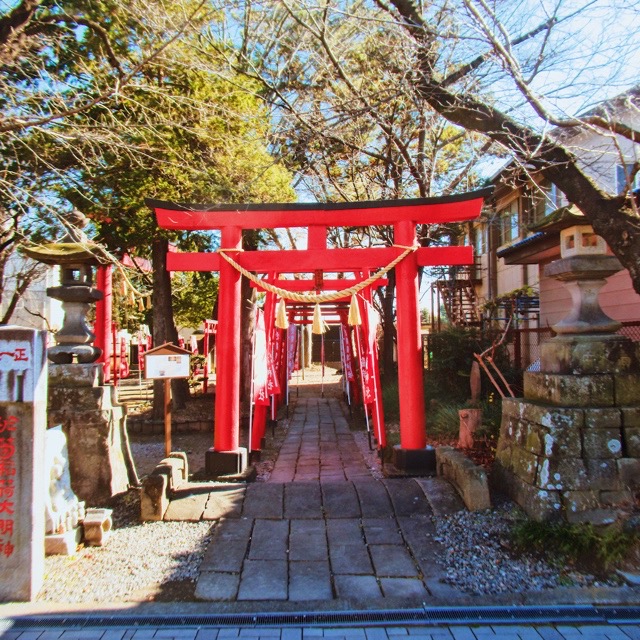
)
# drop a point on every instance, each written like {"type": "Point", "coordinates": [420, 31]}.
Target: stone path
{"type": "Point", "coordinates": [322, 528]}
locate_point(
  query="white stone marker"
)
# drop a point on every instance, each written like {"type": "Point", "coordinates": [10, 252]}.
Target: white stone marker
{"type": "Point", "coordinates": [23, 421]}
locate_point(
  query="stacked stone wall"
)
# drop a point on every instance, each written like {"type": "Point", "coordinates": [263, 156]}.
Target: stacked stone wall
{"type": "Point", "coordinates": [578, 463]}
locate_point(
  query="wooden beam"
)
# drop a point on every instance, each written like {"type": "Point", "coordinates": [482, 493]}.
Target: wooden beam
{"type": "Point", "coordinates": [185, 217]}
{"type": "Point", "coordinates": [334, 284]}
{"type": "Point", "coordinates": [329, 260]}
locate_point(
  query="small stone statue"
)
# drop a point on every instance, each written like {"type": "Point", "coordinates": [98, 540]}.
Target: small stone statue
{"type": "Point", "coordinates": [62, 509]}
{"type": "Point", "coordinates": [471, 417]}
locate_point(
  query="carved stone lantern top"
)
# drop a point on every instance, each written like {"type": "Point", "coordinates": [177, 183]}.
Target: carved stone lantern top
{"type": "Point", "coordinates": [580, 240]}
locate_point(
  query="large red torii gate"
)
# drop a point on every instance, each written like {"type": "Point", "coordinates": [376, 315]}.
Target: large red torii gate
{"type": "Point", "coordinates": [227, 456]}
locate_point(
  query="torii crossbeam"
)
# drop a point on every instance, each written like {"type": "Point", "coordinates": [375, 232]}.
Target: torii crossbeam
{"type": "Point", "coordinates": [231, 220]}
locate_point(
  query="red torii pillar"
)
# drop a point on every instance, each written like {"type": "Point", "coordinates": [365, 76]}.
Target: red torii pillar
{"type": "Point", "coordinates": [227, 456]}
{"type": "Point", "coordinates": [411, 394]}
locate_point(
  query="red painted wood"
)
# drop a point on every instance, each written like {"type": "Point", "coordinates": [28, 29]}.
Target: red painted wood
{"type": "Point", "coordinates": [410, 390]}
{"type": "Point", "coordinates": [104, 311]}
{"type": "Point", "coordinates": [457, 208]}
{"type": "Point", "coordinates": [332, 284]}
{"type": "Point", "coordinates": [227, 429]}
{"type": "Point", "coordinates": [306, 261]}
{"type": "Point", "coordinates": [317, 237]}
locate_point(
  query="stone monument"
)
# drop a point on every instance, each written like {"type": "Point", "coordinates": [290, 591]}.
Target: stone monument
{"type": "Point", "coordinates": [23, 421]}
{"type": "Point", "coordinates": [570, 449]}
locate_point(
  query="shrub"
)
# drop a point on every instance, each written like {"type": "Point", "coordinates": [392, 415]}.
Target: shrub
{"type": "Point", "coordinates": [580, 545]}
{"type": "Point", "coordinates": [451, 356]}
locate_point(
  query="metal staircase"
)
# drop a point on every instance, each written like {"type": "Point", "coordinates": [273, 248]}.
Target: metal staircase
{"type": "Point", "coordinates": [458, 296]}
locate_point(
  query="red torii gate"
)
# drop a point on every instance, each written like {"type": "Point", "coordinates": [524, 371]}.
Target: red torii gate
{"type": "Point", "coordinates": [227, 456]}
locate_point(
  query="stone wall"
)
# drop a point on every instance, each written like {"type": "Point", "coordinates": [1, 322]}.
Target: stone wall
{"type": "Point", "coordinates": [577, 463]}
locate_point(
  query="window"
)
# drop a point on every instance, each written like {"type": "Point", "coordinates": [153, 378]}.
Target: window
{"type": "Point", "coordinates": [623, 174]}
{"type": "Point", "coordinates": [510, 223]}
{"type": "Point", "coordinates": [479, 246]}
{"type": "Point", "coordinates": [546, 199]}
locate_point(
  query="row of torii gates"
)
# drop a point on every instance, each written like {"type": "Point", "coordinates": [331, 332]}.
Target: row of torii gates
{"type": "Point", "coordinates": [227, 456]}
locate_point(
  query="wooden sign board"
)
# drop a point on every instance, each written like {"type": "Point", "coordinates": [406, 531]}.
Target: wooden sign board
{"type": "Point", "coordinates": [167, 361]}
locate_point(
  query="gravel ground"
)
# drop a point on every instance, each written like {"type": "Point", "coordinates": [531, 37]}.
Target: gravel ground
{"type": "Point", "coordinates": [478, 558]}
{"type": "Point", "coordinates": [125, 570]}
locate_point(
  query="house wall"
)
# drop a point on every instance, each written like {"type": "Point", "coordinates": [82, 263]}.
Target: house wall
{"type": "Point", "coordinates": [617, 299]}
{"type": "Point", "coordinates": [598, 155]}
{"type": "Point", "coordinates": [35, 310]}
{"type": "Point", "coordinates": [516, 276]}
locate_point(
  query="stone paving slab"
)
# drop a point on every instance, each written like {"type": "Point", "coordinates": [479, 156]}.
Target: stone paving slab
{"type": "Point", "coordinates": [381, 531]}
{"type": "Point", "coordinates": [269, 540]}
{"type": "Point", "coordinates": [340, 500]}
{"type": "Point", "coordinates": [407, 498]}
{"type": "Point", "coordinates": [263, 500]}
{"type": "Point", "coordinates": [443, 498]}
{"type": "Point", "coordinates": [344, 530]}
{"type": "Point", "coordinates": [374, 498]}
{"type": "Point", "coordinates": [264, 580]}
{"type": "Point", "coordinates": [224, 503]}
{"type": "Point", "coordinates": [282, 475]}
{"type": "Point", "coordinates": [357, 588]}
{"type": "Point", "coordinates": [303, 500]}
{"type": "Point", "coordinates": [310, 580]}
{"type": "Point", "coordinates": [403, 588]}
{"type": "Point", "coordinates": [215, 585]}
{"type": "Point", "coordinates": [350, 558]}
{"type": "Point", "coordinates": [392, 560]}
{"type": "Point", "coordinates": [419, 536]}
{"type": "Point", "coordinates": [308, 540]}
{"type": "Point", "coordinates": [228, 547]}
{"type": "Point", "coordinates": [186, 507]}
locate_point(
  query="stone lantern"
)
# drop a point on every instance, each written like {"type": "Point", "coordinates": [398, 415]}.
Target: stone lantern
{"type": "Point", "coordinates": [583, 268]}
{"type": "Point", "coordinates": [92, 419]}
{"type": "Point", "coordinates": [76, 292]}
{"type": "Point", "coordinates": [570, 449]}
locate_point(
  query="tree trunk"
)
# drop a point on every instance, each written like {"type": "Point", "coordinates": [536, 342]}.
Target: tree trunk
{"type": "Point", "coordinates": [250, 242]}
{"type": "Point", "coordinates": [164, 329]}
{"type": "Point", "coordinates": [247, 324]}
{"type": "Point", "coordinates": [388, 326]}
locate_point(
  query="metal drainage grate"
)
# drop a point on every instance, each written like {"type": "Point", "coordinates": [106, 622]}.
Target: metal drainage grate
{"type": "Point", "coordinates": [425, 617]}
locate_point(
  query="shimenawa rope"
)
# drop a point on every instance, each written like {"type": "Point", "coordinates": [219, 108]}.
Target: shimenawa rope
{"type": "Point", "coordinates": [313, 297]}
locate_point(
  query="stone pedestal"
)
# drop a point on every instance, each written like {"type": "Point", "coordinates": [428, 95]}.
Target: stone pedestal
{"type": "Point", "coordinates": [570, 449]}
{"type": "Point", "coordinates": [420, 462]}
{"type": "Point", "coordinates": [225, 463]}
{"type": "Point", "coordinates": [100, 459]}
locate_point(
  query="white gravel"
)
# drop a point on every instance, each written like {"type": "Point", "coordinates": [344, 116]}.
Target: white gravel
{"type": "Point", "coordinates": [478, 557]}
{"type": "Point", "coordinates": [131, 566]}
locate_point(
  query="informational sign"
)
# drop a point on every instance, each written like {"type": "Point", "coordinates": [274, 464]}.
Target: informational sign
{"type": "Point", "coordinates": [165, 363]}
{"type": "Point", "coordinates": [174, 365]}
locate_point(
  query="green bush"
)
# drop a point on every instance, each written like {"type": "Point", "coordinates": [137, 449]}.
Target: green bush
{"type": "Point", "coordinates": [451, 357]}
{"type": "Point", "coordinates": [443, 421]}
{"type": "Point", "coordinates": [580, 545]}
